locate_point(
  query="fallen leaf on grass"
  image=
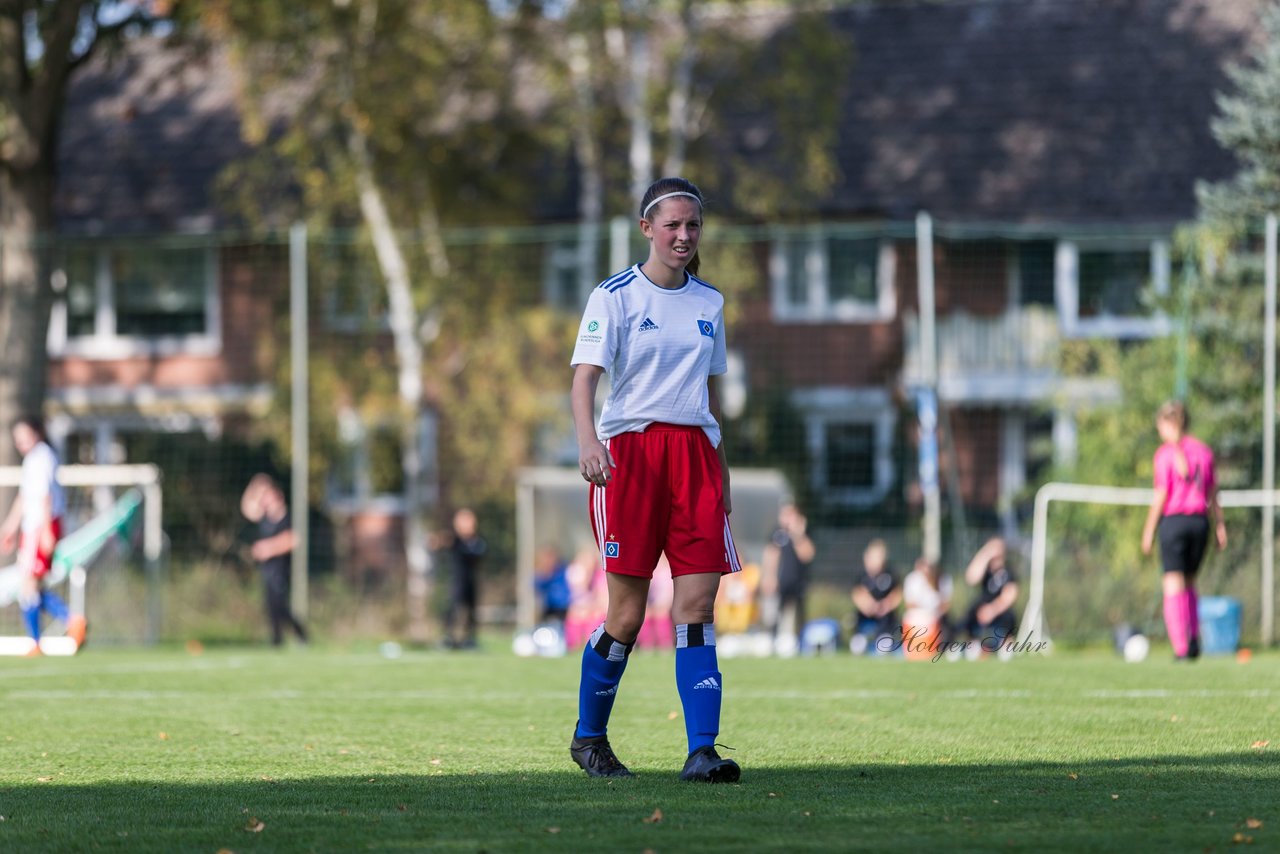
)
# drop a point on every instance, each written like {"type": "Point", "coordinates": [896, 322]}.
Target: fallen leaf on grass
{"type": "Point", "coordinates": [255, 825]}
{"type": "Point", "coordinates": [1173, 719]}
{"type": "Point", "coordinates": [773, 794]}
{"type": "Point", "coordinates": [164, 736]}
{"type": "Point", "coordinates": [1240, 838]}
{"type": "Point", "coordinates": [807, 813]}
{"type": "Point", "coordinates": [655, 818]}
{"type": "Point", "coordinates": [1115, 797]}
{"type": "Point", "coordinates": [553, 830]}
{"type": "Point", "coordinates": [435, 761]}
{"type": "Point", "coordinates": [1259, 745]}
{"type": "Point", "coordinates": [1253, 823]}
{"type": "Point", "coordinates": [43, 779]}
{"type": "Point", "coordinates": [1073, 776]}
{"type": "Point", "coordinates": [671, 716]}
{"type": "Point", "coordinates": [225, 851]}
{"type": "Point", "coordinates": [267, 779]}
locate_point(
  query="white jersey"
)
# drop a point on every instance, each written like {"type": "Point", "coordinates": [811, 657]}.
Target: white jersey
{"type": "Point", "coordinates": [40, 481]}
{"type": "Point", "coordinates": [659, 346]}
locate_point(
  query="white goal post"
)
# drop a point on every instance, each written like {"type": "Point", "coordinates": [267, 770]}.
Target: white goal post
{"type": "Point", "coordinates": [1033, 624]}
{"type": "Point", "coordinates": [146, 479]}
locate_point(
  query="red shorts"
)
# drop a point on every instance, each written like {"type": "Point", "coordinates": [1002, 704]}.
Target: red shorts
{"type": "Point", "coordinates": [666, 495]}
{"type": "Point", "coordinates": [35, 551]}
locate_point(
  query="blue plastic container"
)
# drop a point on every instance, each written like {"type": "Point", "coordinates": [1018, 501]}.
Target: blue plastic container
{"type": "Point", "coordinates": [1219, 625]}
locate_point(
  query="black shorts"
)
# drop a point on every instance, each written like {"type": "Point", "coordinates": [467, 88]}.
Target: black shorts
{"type": "Point", "coordinates": [1183, 539]}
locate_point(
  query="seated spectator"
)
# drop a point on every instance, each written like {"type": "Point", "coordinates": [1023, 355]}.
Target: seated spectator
{"type": "Point", "coordinates": [737, 609]}
{"type": "Point", "coordinates": [551, 581]}
{"type": "Point", "coordinates": [990, 618]}
{"type": "Point", "coordinates": [926, 595]}
{"type": "Point", "coordinates": [876, 596]}
{"type": "Point", "coordinates": [587, 596]}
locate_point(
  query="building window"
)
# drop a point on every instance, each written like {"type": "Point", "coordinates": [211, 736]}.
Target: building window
{"type": "Point", "coordinates": [825, 273]}
{"type": "Point", "coordinates": [850, 455]}
{"type": "Point", "coordinates": [146, 298]}
{"type": "Point", "coordinates": [1103, 287]}
{"type": "Point", "coordinates": [850, 435]}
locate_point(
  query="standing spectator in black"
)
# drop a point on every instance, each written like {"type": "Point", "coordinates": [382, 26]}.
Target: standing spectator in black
{"type": "Point", "coordinates": [991, 618]}
{"type": "Point", "coordinates": [263, 503]}
{"type": "Point", "coordinates": [785, 563]}
{"type": "Point", "coordinates": [876, 595]}
{"type": "Point", "coordinates": [466, 552]}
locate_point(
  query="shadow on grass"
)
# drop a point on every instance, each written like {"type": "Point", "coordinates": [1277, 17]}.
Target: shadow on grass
{"type": "Point", "coordinates": [1156, 803]}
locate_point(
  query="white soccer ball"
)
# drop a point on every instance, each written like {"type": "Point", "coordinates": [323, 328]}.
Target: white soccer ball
{"type": "Point", "coordinates": [1136, 648]}
{"type": "Point", "coordinates": [523, 645]}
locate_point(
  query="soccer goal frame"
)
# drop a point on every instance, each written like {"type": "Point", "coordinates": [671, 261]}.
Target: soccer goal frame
{"type": "Point", "coordinates": [1033, 623]}
{"type": "Point", "coordinates": [146, 479]}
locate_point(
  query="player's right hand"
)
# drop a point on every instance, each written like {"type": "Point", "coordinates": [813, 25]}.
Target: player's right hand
{"type": "Point", "coordinates": [596, 464]}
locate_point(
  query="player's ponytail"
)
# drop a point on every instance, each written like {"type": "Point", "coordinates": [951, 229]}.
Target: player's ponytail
{"type": "Point", "coordinates": [1174, 413]}
{"type": "Point", "coordinates": [663, 189]}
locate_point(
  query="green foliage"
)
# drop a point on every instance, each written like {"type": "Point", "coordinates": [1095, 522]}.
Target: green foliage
{"type": "Point", "coordinates": [1248, 124]}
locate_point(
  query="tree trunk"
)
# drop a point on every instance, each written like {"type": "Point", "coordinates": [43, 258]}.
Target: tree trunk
{"type": "Point", "coordinates": [25, 297]}
{"type": "Point", "coordinates": [403, 319]}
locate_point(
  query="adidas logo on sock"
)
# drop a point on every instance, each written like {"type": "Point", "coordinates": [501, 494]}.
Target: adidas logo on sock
{"type": "Point", "coordinates": [647, 325]}
{"type": "Point", "coordinates": [608, 692]}
{"type": "Point", "coordinates": [709, 683]}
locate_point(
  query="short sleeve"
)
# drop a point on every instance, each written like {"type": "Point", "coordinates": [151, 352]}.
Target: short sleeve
{"type": "Point", "coordinates": [719, 350]}
{"type": "Point", "coordinates": [1162, 468]}
{"type": "Point", "coordinates": [597, 341]}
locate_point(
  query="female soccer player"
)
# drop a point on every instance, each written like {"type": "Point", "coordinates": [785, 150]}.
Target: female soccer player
{"type": "Point", "coordinates": [37, 512]}
{"type": "Point", "coordinates": [1186, 496]}
{"type": "Point", "coordinates": [658, 474]}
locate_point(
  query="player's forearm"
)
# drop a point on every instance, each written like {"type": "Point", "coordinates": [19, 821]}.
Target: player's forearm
{"type": "Point", "coordinates": [1006, 599]}
{"type": "Point", "coordinates": [582, 399]}
{"type": "Point", "coordinates": [14, 517]}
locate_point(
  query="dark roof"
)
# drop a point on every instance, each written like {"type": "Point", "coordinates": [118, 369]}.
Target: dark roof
{"type": "Point", "coordinates": [1071, 111]}
{"type": "Point", "coordinates": [145, 133]}
{"type": "Point", "coordinates": [1035, 110]}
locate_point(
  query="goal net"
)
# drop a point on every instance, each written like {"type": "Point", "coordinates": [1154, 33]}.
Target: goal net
{"type": "Point", "coordinates": [107, 564]}
{"type": "Point", "coordinates": [1087, 575]}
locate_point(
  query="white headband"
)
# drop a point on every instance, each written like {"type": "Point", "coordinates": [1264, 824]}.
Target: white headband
{"type": "Point", "coordinates": [649, 207]}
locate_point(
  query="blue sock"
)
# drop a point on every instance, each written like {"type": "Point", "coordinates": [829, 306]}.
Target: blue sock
{"type": "Point", "coordinates": [31, 614]}
{"type": "Point", "coordinates": [52, 603]}
{"type": "Point", "coordinates": [698, 680]}
{"type": "Point", "coordinates": [603, 661]}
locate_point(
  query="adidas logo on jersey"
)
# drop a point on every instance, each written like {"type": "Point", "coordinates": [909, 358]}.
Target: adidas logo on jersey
{"type": "Point", "coordinates": [647, 325]}
{"type": "Point", "coordinates": [608, 692]}
{"type": "Point", "coordinates": [709, 683]}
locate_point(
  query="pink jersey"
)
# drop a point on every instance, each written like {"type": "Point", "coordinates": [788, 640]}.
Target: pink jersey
{"type": "Point", "coordinates": [1187, 495]}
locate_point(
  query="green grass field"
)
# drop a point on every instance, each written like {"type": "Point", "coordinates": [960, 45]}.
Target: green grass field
{"type": "Point", "coordinates": [330, 750]}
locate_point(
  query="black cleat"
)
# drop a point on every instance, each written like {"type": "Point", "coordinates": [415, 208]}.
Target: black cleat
{"type": "Point", "coordinates": [705, 765]}
{"type": "Point", "coordinates": [597, 758]}
{"type": "Point", "coordinates": [1193, 648]}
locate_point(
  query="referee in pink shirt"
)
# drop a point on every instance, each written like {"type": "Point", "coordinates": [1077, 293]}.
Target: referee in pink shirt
{"type": "Point", "coordinates": [1186, 496]}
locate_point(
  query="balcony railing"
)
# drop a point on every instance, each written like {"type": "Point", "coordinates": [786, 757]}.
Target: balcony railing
{"type": "Point", "coordinates": [1018, 349]}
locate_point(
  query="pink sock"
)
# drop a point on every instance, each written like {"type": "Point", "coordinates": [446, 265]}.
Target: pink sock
{"type": "Point", "coordinates": [1175, 622]}
{"type": "Point", "coordinates": [1192, 604]}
